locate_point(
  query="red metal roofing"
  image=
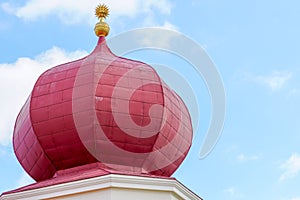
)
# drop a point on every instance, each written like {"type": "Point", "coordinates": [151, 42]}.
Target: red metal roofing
{"type": "Point", "coordinates": [76, 174]}
{"type": "Point", "coordinates": [102, 109]}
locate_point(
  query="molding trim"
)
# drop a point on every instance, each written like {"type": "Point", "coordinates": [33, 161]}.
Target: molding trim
{"type": "Point", "coordinates": [105, 182]}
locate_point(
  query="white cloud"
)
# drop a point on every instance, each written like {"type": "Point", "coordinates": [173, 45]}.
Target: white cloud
{"type": "Point", "coordinates": [275, 81]}
{"type": "Point", "coordinates": [158, 37]}
{"type": "Point", "coordinates": [17, 80]}
{"type": "Point", "coordinates": [24, 180]}
{"type": "Point", "coordinates": [291, 167]}
{"type": "Point", "coordinates": [293, 93]}
{"type": "Point", "coordinates": [296, 198]}
{"type": "Point", "coordinates": [233, 192]}
{"type": "Point", "coordinates": [82, 11]}
{"type": "Point", "coordinates": [170, 26]}
{"type": "Point", "coordinates": [244, 158]}
{"type": "Point", "coordinates": [2, 152]}
{"type": "Point", "coordinates": [3, 25]}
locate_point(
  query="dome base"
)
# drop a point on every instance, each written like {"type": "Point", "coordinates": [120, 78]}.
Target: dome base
{"type": "Point", "coordinates": [110, 187]}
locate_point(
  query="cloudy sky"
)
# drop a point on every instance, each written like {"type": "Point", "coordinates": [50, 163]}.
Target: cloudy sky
{"type": "Point", "coordinates": [254, 44]}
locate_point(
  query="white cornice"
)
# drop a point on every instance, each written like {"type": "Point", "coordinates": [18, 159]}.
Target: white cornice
{"type": "Point", "coordinates": [103, 182]}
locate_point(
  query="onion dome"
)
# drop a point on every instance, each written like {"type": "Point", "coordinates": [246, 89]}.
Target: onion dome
{"type": "Point", "coordinates": [103, 109]}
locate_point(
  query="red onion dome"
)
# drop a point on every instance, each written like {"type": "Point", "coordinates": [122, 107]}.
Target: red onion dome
{"type": "Point", "coordinates": [102, 109]}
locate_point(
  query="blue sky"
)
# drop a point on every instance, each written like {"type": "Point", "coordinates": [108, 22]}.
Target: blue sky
{"type": "Point", "coordinates": [254, 44]}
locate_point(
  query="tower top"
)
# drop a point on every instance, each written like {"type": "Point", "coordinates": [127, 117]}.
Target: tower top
{"type": "Point", "coordinates": [102, 11]}
{"type": "Point", "coordinates": [102, 28]}
{"type": "Point", "coordinates": [101, 114]}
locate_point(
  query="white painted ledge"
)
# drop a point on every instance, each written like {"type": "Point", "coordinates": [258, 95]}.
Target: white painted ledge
{"type": "Point", "coordinates": [110, 187]}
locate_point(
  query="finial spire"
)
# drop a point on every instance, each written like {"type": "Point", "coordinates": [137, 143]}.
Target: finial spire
{"type": "Point", "coordinates": [101, 28]}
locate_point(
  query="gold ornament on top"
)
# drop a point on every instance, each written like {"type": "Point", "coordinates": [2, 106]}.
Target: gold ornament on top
{"type": "Point", "coordinates": [102, 11]}
{"type": "Point", "coordinates": [102, 28]}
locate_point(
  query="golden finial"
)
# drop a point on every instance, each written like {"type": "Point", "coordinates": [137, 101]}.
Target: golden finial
{"type": "Point", "coordinates": [101, 28]}
{"type": "Point", "coordinates": [102, 11]}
